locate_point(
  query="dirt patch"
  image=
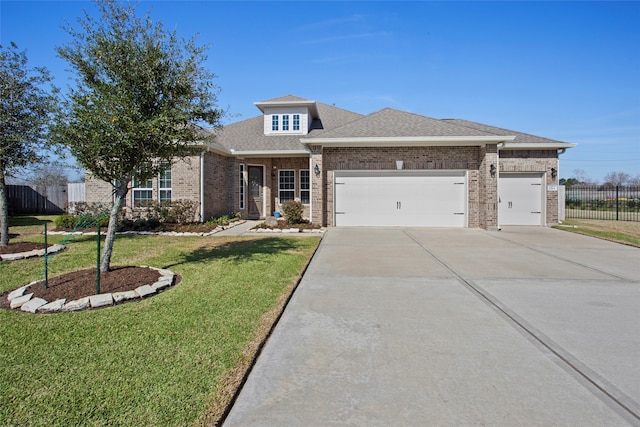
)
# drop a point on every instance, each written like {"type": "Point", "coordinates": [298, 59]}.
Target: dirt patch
{"type": "Point", "coordinates": [19, 247]}
{"type": "Point", "coordinates": [82, 283]}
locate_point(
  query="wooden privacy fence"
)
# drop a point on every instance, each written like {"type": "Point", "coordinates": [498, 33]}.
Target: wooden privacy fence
{"type": "Point", "coordinates": [31, 199]}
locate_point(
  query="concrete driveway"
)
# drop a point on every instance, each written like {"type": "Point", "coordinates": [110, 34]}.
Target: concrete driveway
{"type": "Point", "coordinates": [524, 326]}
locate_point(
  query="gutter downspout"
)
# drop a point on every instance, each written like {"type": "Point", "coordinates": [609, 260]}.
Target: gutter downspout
{"type": "Point", "coordinates": [560, 152]}
{"type": "Point", "coordinates": [311, 174]}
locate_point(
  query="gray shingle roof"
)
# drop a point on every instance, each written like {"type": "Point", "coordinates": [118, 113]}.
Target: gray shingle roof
{"type": "Point", "coordinates": [520, 137]}
{"type": "Point", "coordinates": [394, 123]}
{"type": "Point", "coordinates": [287, 98]}
{"type": "Point", "coordinates": [334, 122]}
{"type": "Point", "coordinates": [248, 135]}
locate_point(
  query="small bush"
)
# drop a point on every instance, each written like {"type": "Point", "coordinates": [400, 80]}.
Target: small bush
{"type": "Point", "coordinates": [224, 219]}
{"type": "Point", "coordinates": [173, 212]}
{"type": "Point", "coordinates": [66, 221]}
{"type": "Point", "coordinates": [292, 211]}
{"type": "Point", "coordinates": [83, 216]}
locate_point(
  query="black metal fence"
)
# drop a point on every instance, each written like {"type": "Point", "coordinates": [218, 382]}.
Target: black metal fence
{"type": "Point", "coordinates": [616, 203]}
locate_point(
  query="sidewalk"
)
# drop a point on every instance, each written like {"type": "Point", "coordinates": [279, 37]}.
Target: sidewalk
{"type": "Point", "coordinates": [239, 229]}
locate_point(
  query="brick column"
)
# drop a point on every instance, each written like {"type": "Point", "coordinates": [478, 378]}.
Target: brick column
{"type": "Point", "coordinates": [317, 186]}
{"type": "Point", "coordinates": [488, 187]}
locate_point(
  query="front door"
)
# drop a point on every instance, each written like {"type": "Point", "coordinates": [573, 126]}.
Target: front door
{"type": "Point", "coordinates": [255, 192]}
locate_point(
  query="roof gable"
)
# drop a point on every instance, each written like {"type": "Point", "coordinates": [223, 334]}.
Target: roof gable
{"type": "Point", "coordinates": [287, 98]}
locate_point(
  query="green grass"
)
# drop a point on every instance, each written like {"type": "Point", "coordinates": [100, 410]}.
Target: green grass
{"type": "Point", "coordinates": [615, 231]}
{"type": "Point", "coordinates": [156, 362]}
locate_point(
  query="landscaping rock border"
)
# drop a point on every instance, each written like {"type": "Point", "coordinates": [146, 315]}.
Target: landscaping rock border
{"type": "Point", "coordinates": [31, 254]}
{"type": "Point", "coordinates": [287, 230]}
{"type": "Point", "coordinates": [18, 300]}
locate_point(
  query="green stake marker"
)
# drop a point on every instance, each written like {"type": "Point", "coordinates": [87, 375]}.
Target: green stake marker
{"type": "Point", "coordinates": [98, 263]}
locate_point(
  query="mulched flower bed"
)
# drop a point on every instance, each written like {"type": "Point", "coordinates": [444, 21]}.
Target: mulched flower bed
{"type": "Point", "coordinates": [82, 283]}
{"type": "Point", "coordinates": [19, 247]}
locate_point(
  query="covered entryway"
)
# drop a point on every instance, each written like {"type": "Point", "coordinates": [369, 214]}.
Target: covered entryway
{"type": "Point", "coordinates": [520, 199]}
{"type": "Point", "coordinates": [400, 198]}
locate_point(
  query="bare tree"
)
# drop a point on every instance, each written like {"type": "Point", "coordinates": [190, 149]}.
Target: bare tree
{"type": "Point", "coordinates": [580, 177]}
{"type": "Point", "coordinates": [49, 175]}
{"type": "Point", "coordinates": [617, 178]}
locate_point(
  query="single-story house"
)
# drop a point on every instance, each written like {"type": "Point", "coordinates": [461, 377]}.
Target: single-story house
{"type": "Point", "coordinates": [387, 168]}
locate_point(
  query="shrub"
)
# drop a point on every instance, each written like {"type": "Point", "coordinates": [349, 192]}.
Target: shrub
{"type": "Point", "coordinates": [174, 212]}
{"type": "Point", "coordinates": [83, 216]}
{"type": "Point", "coordinates": [292, 211]}
{"type": "Point", "coordinates": [224, 219]}
{"type": "Point", "coordinates": [183, 211]}
{"type": "Point", "coordinates": [66, 221]}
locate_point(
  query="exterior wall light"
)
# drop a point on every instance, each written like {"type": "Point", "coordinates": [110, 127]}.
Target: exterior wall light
{"type": "Point", "coordinates": [316, 170]}
{"type": "Point", "coordinates": [492, 170]}
{"type": "Point", "coordinates": [554, 173]}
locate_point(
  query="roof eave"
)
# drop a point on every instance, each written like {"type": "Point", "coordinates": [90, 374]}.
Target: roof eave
{"type": "Point", "coordinates": [311, 105]}
{"type": "Point", "coordinates": [270, 153]}
{"type": "Point", "coordinates": [213, 147]}
{"type": "Point", "coordinates": [420, 141]}
{"type": "Point", "coordinates": [536, 145]}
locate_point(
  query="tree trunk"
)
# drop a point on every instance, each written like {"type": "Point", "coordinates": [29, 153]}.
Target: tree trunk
{"type": "Point", "coordinates": [120, 194]}
{"type": "Point", "coordinates": [4, 213]}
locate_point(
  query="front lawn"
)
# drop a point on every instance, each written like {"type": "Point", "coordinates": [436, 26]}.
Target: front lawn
{"type": "Point", "coordinates": [166, 360]}
{"type": "Point", "coordinates": [627, 232]}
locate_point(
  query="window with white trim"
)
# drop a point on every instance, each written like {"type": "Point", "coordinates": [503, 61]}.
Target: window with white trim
{"type": "Point", "coordinates": [296, 122]}
{"type": "Point", "coordinates": [164, 183]}
{"type": "Point", "coordinates": [274, 122]}
{"type": "Point", "coordinates": [142, 192]}
{"type": "Point", "coordinates": [286, 185]}
{"type": "Point", "coordinates": [305, 186]}
{"type": "Point", "coordinates": [285, 122]}
{"type": "Point", "coordinates": [242, 187]}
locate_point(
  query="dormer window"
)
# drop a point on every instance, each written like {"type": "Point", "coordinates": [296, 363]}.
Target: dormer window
{"type": "Point", "coordinates": [281, 123]}
{"type": "Point", "coordinates": [288, 115]}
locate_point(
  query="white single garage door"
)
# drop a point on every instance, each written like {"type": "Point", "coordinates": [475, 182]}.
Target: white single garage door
{"type": "Point", "coordinates": [520, 199]}
{"type": "Point", "coordinates": [400, 198]}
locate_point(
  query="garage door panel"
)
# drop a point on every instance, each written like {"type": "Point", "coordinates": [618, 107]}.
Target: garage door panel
{"type": "Point", "coordinates": [520, 199]}
{"type": "Point", "coordinates": [401, 200]}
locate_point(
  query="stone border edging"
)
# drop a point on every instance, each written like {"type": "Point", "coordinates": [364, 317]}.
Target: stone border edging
{"type": "Point", "coordinates": [31, 254]}
{"type": "Point", "coordinates": [287, 230]}
{"type": "Point", "coordinates": [158, 233]}
{"type": "Point", "coordinates": [18, 300]}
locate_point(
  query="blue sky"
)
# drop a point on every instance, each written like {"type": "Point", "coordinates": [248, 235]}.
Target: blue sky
{"type": "Point", "coordinates": [563, 70]}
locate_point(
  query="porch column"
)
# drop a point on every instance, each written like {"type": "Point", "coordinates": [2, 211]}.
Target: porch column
{"type": "Point", "coordinates": [317, 186]}
{"type": "Point", "coordinates": [488, 186]}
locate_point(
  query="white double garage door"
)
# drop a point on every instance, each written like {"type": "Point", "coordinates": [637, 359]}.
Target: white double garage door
{"type": "Point", "coordinates": [425, 199]}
